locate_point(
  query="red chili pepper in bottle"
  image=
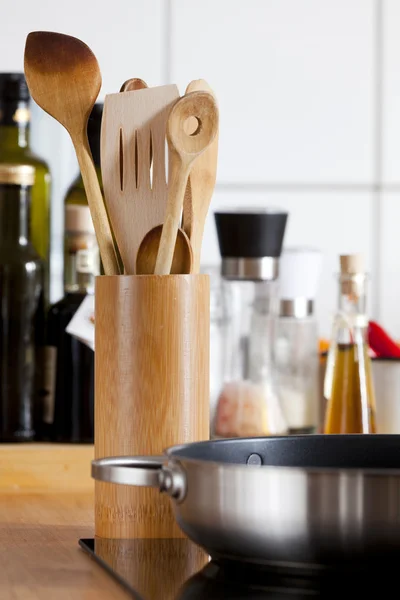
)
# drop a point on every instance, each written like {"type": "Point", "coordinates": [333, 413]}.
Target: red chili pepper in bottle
{"type": "Point", "coordinates": [381, 343]}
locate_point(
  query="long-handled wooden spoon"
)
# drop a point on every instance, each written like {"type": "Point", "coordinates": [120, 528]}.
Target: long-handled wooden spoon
{"type": "Point", "coordinates": [200, 186]}
{"type": "Point", "coordinates": [183, 151]}
{"type": "Point", "coordinates": [64, 79]}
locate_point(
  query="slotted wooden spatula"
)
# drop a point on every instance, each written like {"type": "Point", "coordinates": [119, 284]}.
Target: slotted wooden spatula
{"type": "Point", "coordinates": [134, 129]}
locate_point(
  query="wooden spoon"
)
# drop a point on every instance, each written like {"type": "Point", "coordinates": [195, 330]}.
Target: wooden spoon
{"type": "Point", "coordinates": [183, 151]}
{"type": "Point", "coordinates": [64, 79]}
{"type": "Point", "coordinates": [133, 84]}
{"type": "Point", "coordinates": [200, 186]}
{"type": "Point", "coordinates": [182, 261]}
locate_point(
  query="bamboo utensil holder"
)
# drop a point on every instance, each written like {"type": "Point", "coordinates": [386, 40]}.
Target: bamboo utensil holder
{"type": "Point", "coordinates": [151, 388]}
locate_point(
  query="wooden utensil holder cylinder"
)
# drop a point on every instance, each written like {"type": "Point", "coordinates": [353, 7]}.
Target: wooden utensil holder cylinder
{"type": "Point", "coordinates": [151, 388]}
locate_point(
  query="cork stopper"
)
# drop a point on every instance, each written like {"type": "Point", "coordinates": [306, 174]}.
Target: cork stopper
{"type": "Point", "coordinates": [352, 272]}
{"type": "Point", "coordinates": [350, 264]}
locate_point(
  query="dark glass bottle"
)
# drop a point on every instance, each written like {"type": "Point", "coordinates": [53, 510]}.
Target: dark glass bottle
{"type": "Point", "coordinates": [68, 414]}
{"type": "Point", "coordinates": [15, 148]}
{"type": "Point", "coordinates": [69, 405]}
{"type": "Point", "coordinates": [21, 302]}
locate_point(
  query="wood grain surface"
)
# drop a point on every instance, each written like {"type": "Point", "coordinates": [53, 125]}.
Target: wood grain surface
{"type": "Point", "coordinates": [39, 553]}
{"type": "Point", "coordinates": [35, 468]}
{"type": "Point", "coordinates": [152, 388]}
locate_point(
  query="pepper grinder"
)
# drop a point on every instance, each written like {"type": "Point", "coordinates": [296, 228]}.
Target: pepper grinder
{"type": "Point", "coordinates": [250, 243]}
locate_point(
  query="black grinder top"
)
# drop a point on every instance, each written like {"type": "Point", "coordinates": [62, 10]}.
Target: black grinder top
{"type": "Point", "coordinates": [250, 241]}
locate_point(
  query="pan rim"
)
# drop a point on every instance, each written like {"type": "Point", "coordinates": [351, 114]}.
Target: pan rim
{"type": "Point", "coordinates": [175, 454]}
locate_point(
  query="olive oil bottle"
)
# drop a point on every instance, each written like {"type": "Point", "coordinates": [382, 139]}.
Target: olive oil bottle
{"type": "Point", "coordinates": [348, 385]}
{"type": "Point", "coordinates": [21, 306]}
{"type": "Point", "coordinates": [15, 149]}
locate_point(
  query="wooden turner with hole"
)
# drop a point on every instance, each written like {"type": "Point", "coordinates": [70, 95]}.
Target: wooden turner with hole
{"type": "Point", "coordinates": [200, 186]}
{"type": "Point", "coordinates": [133, 165]}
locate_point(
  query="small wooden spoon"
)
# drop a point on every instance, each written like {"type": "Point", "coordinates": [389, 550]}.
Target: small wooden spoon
{"type": "Point", "coordinates": [64, 79]}
{"type": "Point", "coordinates": [133, 84]}
{"type": "Point", "coordinates": [184, 148]}
{"type": "Point", "coordinates": [147, 255]}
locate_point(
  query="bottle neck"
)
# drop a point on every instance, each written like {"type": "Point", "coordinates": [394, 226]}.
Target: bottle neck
{"type": "Point", "coordinates": [352, 321]}
{"type": "Point", "coordinates": [14, 214]}
{"type": "Point", "coordinates": [14, 125]}
{"type": "Point", "coordinates": [81, 256]}
{"type": "Point", "coordinates": [352, 294]}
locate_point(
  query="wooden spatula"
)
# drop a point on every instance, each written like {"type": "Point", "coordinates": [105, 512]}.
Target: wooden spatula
{"type": "Point", "coordinates": [133, 130]}
{"type": "Point", "coordinates": [200, 186]}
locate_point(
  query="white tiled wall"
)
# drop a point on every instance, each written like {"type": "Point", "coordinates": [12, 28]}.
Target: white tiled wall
{"type": "Point", "coordinates": [309, 95]}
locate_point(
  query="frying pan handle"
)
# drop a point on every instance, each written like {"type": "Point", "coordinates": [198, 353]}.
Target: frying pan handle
{"type": "Point", "coordinates": [148, 471]}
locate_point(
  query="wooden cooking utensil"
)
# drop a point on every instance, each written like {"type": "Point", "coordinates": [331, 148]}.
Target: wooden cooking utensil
{"type": "Point", "coordinates": [133, 84]}
{"type": "Point", "coordinates": [200, 186]}
{"type": "Point", "coordinates": [183, 150]}
{"type": "Point", "coordinates": [133, 130]}
{"type": "Point", "coordinates": [182, 261]}
{"type": "Point", "coordinates": [64, 79]}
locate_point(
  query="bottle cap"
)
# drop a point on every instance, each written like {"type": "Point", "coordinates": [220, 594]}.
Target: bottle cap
{"type": "Point", "coordinates": [13, 87]}
{"type": "Point", "coordinates": [14, 174]}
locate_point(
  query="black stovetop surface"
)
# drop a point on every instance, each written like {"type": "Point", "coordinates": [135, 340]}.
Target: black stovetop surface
{"type": "Point", "coordinates": [176, 569]}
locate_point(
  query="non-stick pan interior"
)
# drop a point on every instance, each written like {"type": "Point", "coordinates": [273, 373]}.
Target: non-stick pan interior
{"type": "Point", "coordinates": [322, 451]}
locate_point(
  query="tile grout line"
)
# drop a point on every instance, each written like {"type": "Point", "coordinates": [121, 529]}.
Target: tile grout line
{"type": "Point", "coordinates": [378, 155]}
{"type": "Point", "coordinates": [252, 187]}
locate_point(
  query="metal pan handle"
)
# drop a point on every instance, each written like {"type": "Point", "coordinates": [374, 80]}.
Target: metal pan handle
{"type": "Point", "coordinates": [148, 471]}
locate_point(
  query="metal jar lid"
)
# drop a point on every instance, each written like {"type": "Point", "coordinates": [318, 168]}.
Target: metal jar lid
{"type": "Point", "coordinates": [14, 174]}
{"type": "Point", "coordinates": [298, 308]}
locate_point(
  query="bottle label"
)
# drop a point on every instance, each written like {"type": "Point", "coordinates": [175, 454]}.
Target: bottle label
{"type": "Point", "coordinates": [81, 325]}
{"type": "Point", "coordinates": [87, 261]}
{"type": "Point", "coordinates": [50, 369]}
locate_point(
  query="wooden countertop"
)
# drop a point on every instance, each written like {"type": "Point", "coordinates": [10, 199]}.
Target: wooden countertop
{"type": "Point", "coordinates": [46, 505]}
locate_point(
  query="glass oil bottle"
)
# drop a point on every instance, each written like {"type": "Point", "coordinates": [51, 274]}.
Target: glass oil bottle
{"type": "Point", "coordinates": [348, 384]}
